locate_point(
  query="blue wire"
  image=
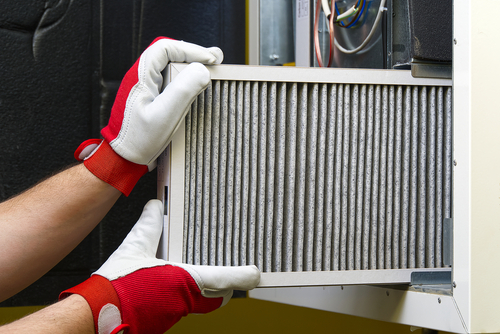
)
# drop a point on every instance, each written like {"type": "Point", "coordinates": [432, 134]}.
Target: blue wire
{"type": "Point", "coordinates": [367, 9]}
{"type": "Point", "coordinates": [357, 19]}
{"type": "Point", "coordinates": [360, 14]}
{"type": "Point", "coordinates": [338, 13]}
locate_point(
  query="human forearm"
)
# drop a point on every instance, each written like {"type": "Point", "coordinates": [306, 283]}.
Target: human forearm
{"type": "Point", "coordinates": [71, 315]}
{"type": "Point", "coordinates": [42, 225]}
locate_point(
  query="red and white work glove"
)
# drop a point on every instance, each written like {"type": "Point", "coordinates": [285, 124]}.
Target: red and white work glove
{"type": "Point", "coordinates": [134, 292]}
{"type": "Point", "coordinates": [143, 117]}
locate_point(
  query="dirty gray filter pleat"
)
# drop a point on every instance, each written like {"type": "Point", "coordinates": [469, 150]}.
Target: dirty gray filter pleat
{"type": "Point", "coordinates": [398, 220]}
{"type": "Point", "coordinates": [253, 154]}
{"type": "Point", "coordinates": [245, 182]}
{"type": "Point", "coordinates": [289, 193]}
{"type": "Point", "coordinates": [422, 175]}
{"type": "Point", "coordinates": [431, 180]}
{"type": "Point", "coordinates": [353, 159]}
{"type": "Point", "coordinates": [368, 153]}
{"type": "Point", "coordinates": [337, 205]}
{"type": "Point", "coordinates": [270, 176]}
{"type": "Point", "coordinates": [448, 138]}
{"type": "Point", "coordinates": [207, 153]}
{"type": "Point", "coordinates": [412, 243]}
{"type": "Point", "coordinates": [439, 176]}
{"type": "Point", "coordinates": [310, 176]}
{"type": "Point", "coordinates": [234, 242]}
{"type": "Point", "coordinates": [329, 177]}
{"type": "Point", "coordinates": [221, 184]}
{"type": "Point", "coordinates": [216, 110]}
{"type": "Point", "coordinates": [198, 222]}
{"type": "Point", "coordinates": [358, 253]}
{"type": "Point", "coordinates": [188, 235]}
{"type": "Point", "coordinates": [389, 202]}
{"type": "Point", "coordinates": [375, 177]}
{"type": "Point", "coordinates": [280, 178]}
{"type": "Point", "coordinates": [345, 179]}
{"type": "Point", "coordinates": [320, 179]}
{"type": "Point", "coordinates": [300, 179]}
{"type": "Point", "coordinates": [261, 177]}
{"type": "Point", "coordinates": [382, 197]}
{"type": "Point", "coordinates": [405, 188]}
{"type": "Point", "coordinates": [230, 173]}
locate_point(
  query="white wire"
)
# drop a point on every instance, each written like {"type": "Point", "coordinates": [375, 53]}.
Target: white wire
{"type": "Point", "coordinates": [327, 11]}
{"type": "Point", "coordinates": [370, 35]}
{"type": "Point", "coordinates": [326, 7]}
{"type": "Point", "coordinates": [347, 13]}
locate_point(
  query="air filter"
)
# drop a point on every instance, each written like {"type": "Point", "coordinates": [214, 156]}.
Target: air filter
{"type": "Point", "coordinates": [316, 176]}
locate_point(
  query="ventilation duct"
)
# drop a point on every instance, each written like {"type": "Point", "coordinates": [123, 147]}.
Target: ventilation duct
{"type": "Point", "coordinates": [316, 176]}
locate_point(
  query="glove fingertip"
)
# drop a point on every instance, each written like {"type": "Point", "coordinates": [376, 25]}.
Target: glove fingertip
{"type": "Point", "coordinates": [217, 53]}
{"type": "Point", "coordinates": [254, 274]}
{"type": "Point", "coordinates": [202, 75]}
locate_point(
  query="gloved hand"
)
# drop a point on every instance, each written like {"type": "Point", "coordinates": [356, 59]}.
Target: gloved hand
{"type": "Point", "coordinates": [143, 118]}
{"type": "Point", "coordinates": [136, 292]}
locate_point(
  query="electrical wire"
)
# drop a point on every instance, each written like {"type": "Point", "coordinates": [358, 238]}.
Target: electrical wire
{"type": "Point", "coordinates": [331, 33]}
{"type": "Point", "coordinates": [345, 15]}
{"type": "Point", "coordinates": [354, 10]}
{"type": "Point", "coordinates": [350, 12]}
{"type": "Point", "coordinates": [358, 16]}
{"type": "Point", "coordinates": [326, 8]}
{"type": "Point", "coordinates": [370, 35]}
{"type": "Point", "coordinates": [317, 48]}
{"type": "Point", "coordinates": [331, 19]}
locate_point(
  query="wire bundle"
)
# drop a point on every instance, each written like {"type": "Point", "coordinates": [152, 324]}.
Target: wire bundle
{"type": "Point", "coordinates": [332, 14]}
{"type": "Point", "coordinates": [331, 19]}
{"type": "Point", "coordinates": [356, 11]}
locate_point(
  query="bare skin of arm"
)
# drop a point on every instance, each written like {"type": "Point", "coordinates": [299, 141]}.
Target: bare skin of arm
{"type": "Point", "coordinates": [42, 225]}
{"type": "Point", "coordinates": [71, 315]}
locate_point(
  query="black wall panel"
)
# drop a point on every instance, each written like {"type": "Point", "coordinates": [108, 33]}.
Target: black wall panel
{"type": "Point", "coordinates": [431, 24]}
{"type": "Point", "coordinates": [61, 62]}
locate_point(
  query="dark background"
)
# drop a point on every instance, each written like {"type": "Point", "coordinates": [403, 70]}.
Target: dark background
{"type": "Point", "coordinates": [61, 62]}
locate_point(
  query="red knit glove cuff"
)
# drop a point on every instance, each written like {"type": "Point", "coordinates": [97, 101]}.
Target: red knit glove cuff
{"type": "Point", "coordinates": [113, 169]}
{"type": "Point", "coordinates": [101, 297]}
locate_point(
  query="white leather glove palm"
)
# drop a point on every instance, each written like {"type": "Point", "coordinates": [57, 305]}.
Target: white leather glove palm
{"type": "Point", "coordinates": [135, 291]}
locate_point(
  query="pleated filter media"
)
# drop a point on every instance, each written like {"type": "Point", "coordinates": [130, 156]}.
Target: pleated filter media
{"type": "Point", "coordinates": [317, 176]}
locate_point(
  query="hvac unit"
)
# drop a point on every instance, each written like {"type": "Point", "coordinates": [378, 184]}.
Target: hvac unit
{"type": "Point", "coordinates": [336, 183]}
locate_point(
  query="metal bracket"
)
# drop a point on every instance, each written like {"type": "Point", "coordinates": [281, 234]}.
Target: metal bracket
{"type": "Point", "coordinates": [447, 241]}
{"type": "Point", "coordinates": [430, 277]}
{"type": "Point", "coordinates": [421, 69]}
